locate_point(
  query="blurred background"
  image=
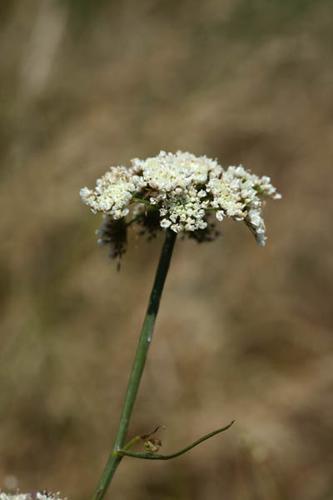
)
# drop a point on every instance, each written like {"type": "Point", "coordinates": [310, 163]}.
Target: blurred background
{"type": "Point", "coordinates": [243, 333]}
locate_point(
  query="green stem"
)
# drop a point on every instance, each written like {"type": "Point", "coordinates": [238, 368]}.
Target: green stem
{"type": "Point", "coordinates": [138, 365]}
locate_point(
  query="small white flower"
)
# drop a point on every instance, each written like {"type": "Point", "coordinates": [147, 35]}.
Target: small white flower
{"type": "Point", "coordinates": [165, 223]}
{"type": "Point", "coordinates": [220, 215]}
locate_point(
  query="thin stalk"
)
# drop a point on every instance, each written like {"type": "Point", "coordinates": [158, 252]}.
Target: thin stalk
{"type": "Point", "coordinates": [156, 456]}
{"type": "Point", "coordinates": [138, 365]}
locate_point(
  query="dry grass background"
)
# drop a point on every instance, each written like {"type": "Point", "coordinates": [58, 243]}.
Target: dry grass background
{"type": "Point", "coordinates": [243, 332]}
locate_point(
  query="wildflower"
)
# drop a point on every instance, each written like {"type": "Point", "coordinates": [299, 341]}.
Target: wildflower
{"type": "Point", "coordinates": [47, 495]}
{"type": "Point", "coordinates": [15, 496]}
{"type": "Point", "coordinates": [40, 495]}
{"type": "Point", "coordinates": [180, 192]}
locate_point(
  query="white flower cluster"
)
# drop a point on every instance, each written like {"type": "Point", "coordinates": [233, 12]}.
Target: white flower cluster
{"type": "Point", "coordinates": [15, 496]}
{"type": "Point", "coordinates": [46, 495]}
{"type": "Point", "coordinates": [185, 189]}
{"type": "Point", "coordinates": [40, 495]}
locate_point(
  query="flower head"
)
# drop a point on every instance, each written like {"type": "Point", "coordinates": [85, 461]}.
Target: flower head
{"type": "Point", "coordinates": [180, 192]}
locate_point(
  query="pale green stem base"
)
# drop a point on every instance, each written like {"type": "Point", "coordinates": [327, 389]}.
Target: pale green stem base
{"type": "Point", "coordinates": [138, 365]}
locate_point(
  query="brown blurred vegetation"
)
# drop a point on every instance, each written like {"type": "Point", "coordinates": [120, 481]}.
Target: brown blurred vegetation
{"type": "Point", "coordinates": [243, 332]}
